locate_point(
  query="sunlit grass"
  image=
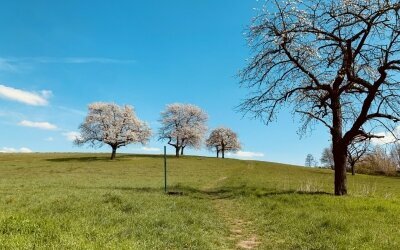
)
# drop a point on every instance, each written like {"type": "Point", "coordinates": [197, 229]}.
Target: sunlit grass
{"type": "Point", "coordinates": [85, 201]}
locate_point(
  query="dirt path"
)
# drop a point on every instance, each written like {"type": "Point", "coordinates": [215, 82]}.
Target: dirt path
{"type": "Point", "coordinates": [242, 233]}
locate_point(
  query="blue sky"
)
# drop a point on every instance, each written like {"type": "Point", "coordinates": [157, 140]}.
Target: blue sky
{"type": "Point", "coordinates": [56, 57]}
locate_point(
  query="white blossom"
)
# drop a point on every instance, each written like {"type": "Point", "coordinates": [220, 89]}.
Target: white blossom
{"type": "Point", "coordinates": [223, 139]}
{"type": "Point", "coordinates": [108, 123]}
{"type": "Point", "coordinates": [183, 125]}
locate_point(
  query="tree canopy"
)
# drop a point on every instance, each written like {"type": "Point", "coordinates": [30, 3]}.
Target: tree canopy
{"type": "Point", "coordinates": [116, 126]}
{"type": "Point", "coordinates": [222, 140]}
{"type": "Point", "coordinates": [183, 125]}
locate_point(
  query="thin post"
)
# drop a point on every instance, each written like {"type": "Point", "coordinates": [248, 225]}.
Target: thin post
{"type": "Point", "coordinates": [165, 169]}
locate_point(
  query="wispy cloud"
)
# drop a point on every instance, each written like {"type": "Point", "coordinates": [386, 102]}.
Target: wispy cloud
{"type": "Point", "coordinates": [40, 125]}
{"type": "Point", "coordinates": [8, 113]}
{"type": "Point", "coordinates": [26, 97]}
{"type": "Point", "coordinates": [150, 149]}
{"type": "Point", "coordinates": [14, 150]}
{"type": "Point", "coordinates": [71, 135]}
{"type": "Point", "coordinates": [49, 139]}
{"type": "Point", "coordinates": [73, 111]}
{"type": "Point", "coordinates": [9, 62]}
{"type": "Point", "coordinates": [90, 60]}
{"type": "Point", "coordinates": [7, 66]}
{"type": "Point", "coordinates": [388, 137]}
{"type": "Point", "coordinates": [246, 155]}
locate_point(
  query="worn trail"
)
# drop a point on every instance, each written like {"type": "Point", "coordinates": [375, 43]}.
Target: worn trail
{"type": "Point", "coordinates": [241, 230]}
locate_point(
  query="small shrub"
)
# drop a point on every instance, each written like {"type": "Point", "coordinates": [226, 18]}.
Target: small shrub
{"type": "Point", "coordinates": [377, 162]}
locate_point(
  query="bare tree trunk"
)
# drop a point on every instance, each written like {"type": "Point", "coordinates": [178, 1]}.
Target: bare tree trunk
{"type": "Point", "coordinates": [217, 153]}
{"type": "Point", "coordinates": [340, 159]}
{"type": "Point", "coordinates": [353, 171]}
{"type": "Point", "coordinates": [114, 152]}
{"type": "Point", "coordinates": [177, 149]}
{"type": "Point", "coordinates": [182, 148]}
{"type": "Point", "coordinates": [223, 153]}
{"type": "Point", "coordinates": [339, 148]}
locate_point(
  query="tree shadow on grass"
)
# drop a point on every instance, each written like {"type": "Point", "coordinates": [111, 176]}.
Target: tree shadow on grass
{"type": "Point", "coordinates": [102, 157]}
{"type": "Point", "coordinates": [121, 188]}
{"type": "Point", "coordinates": [127, 156]}
{"type": "Point", "coordinates": [244, 191]}
{"type": "Point", "coordinates": [217, 193]}
{"type": "Point", "coordinates": [238, 191]}
{"type": "Point", "coordinates": [79, 159]}
{"type": "Point", "coordinates": [120, 156]}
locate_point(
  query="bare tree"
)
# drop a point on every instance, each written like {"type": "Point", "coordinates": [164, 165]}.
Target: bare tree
{"type": "Point", "coordinates": [108, 123]}
{"type": "Point", "coordinates": [183, 125]}
{"type": "Point", "coordinates": [395, 155]}
{"type": "Point", "coordinates": [334, 62]}
{"type": "Point", "coordinates": [223, 140]}
{"type": "Point", "coordinates": [327, 158]}
{"type": "Point", "coordinates": [310, 161]}
{"type": "Point", "coordinates": [355, 152]}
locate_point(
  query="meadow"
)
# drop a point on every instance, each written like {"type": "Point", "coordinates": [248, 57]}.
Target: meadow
{"type": "Point", "coordinates": [86, 201]}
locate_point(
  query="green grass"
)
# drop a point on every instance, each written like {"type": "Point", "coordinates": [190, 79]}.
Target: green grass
{"type": "Point", "coordinates": [85, 201]}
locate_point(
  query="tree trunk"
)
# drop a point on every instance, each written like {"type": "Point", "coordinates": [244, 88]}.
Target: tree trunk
{"type": "Point", "coordinates": [340, 159]}
{"type": "Point", "coordinates": [182, 150]}
{"type": "Point", "coordinates": [177, 149]}
{"type": "Point", "coordinates": [114, 152]}
{"type": "Point", "coordinates": [339, 147]}
{"type": "Point", "coordinates": [223, 153]}
{"type": "Point", "coordinates": [353, 171]}
{"type": "Point", "coordinates": [217, 153]}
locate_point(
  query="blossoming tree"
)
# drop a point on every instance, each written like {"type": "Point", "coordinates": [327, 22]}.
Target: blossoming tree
{"type": "Point", "coordinates": [116, 126]}
{"type": "Point", "coordinates": [222, 140]}
{"type": "Point", "coordinates": [334, 62]}
{"type": "Point", "coordinates": [183, 125]}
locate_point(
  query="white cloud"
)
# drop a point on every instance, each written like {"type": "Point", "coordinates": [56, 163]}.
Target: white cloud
{"type": "Point", "coordinates": [388, 137]}
{"type": "Point", "coordinates": [13, 150]}
{"type": "Point", "coordinates": [49, 139]}
{"type": "Point", "coordinates": [46, 93]}
{"type": "Point", "coordinates": [246, 155]}
{"type": "Point", "coordinates": [149, 149]}
{"type": "Point", "coordinates": [11, 61]}
{"type": "Point", "coordinates": [92, 60]}
{"type": "Point", "coordinates": [40, 125]}
{"type": "Point", "coordinates": [72, 135]}
{"type": "Point", "coordinates": [19, 95]}
{"type": "Point", "coordinates": [25, 150]}
{"type": "Point", "coordinates": [8, 150]}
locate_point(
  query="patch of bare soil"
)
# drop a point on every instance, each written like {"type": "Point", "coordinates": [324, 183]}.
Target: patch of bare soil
{"type": "Point", "coordinates": [250, 243]}
{"type": "Point", "coordinates": [240, 230]}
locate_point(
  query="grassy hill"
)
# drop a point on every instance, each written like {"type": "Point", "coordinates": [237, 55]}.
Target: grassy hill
{"type": "Point", "coordinates": [85, 201]}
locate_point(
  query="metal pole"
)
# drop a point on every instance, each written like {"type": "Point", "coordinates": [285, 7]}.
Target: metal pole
{"type": "Point", "coordinates": [165, 169]}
